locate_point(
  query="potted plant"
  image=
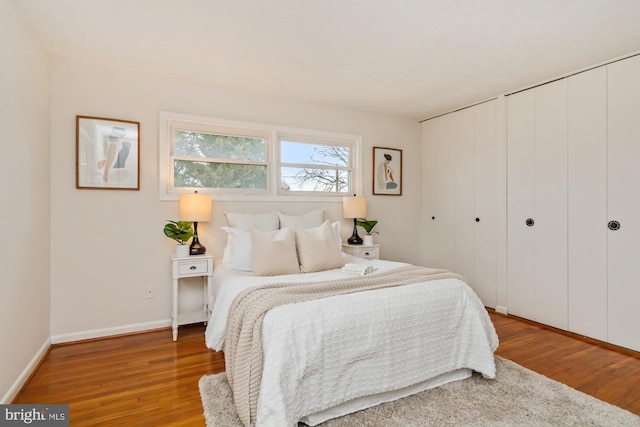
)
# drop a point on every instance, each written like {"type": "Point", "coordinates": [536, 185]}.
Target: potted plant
{"type": "Point", "coordinates": [181, 232]}
{"type": "Point", "coordinates": [367, 225]}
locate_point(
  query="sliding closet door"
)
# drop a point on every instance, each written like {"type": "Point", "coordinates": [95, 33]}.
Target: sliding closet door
{"type": "Point", "coordinates": [461, 198]}
{"type": "Point", "coordinates": [624, 202]}
{"type": "Point", "coordinates": [487, 201]}
{"type": "Point", "coordinates": [437, 243]}
{"type": "Point", "coordinates": [429, 136]}
{"type": "Point", "coordinates": [463, 143]}
{"type": "Point", "coordinates": [587, 203]}
{"type": "Point", "coordinates": [537, 182]}
{"type": "Point", "coordinates": [520, 205]}
{"type": "Point", "coordinates": [551, 202]}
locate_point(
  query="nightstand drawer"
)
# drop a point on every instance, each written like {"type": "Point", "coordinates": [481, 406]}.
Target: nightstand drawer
{"type": "Point", "coordinates": [193, 267]}
{"type": "Point", "coordinates": [367, 252]}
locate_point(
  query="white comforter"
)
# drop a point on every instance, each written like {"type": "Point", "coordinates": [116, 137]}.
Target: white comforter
{"type": "Point", "coordinates": [324, 352]}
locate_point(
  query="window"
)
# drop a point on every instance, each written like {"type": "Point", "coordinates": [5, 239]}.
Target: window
{"type": "Point", "coordinates": [315, 167]}
{"type": "Point", "coordinates": [216, 160]}
{"type": "Point", "coordinates": [240, 161]}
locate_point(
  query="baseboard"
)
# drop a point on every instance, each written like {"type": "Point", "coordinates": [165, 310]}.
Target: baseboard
{"type": "Point", "coordinates": [500, 309]}
{"type": "Point", "coordinates": [26, 374]}
{"type": "Point", "coordinates": [106, 332]}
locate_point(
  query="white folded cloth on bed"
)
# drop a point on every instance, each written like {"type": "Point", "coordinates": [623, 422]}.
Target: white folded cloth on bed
{"type": "Point", "coordinates": [358, 269]}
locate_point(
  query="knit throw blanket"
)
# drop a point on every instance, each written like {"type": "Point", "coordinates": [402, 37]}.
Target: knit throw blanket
{"type": "Point", "coordinates": [243, 338]}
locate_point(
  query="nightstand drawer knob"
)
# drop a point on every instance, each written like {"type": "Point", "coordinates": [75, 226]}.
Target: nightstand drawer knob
{"type": "Point", "coordinates": [193, 267]}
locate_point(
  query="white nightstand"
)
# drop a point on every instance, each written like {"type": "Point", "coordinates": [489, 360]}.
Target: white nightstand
{"type": "Point", "coordinates": [362, 251]}
{"type": "Point", "coordinates": [191, 266]}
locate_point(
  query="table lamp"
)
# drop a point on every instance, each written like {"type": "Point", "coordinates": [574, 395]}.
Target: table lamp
{"type": "Point", "coordinates": [195, 208]}
{"type": "Point", "coordinates": [354, 207]}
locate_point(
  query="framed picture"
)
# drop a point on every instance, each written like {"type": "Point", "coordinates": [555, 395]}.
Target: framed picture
{"type": "Point", "coordinates": [107, 154]}
{"type": "Point", "coordinates": [387, 171]}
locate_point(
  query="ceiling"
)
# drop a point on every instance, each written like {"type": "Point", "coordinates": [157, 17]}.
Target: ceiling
{"type": "Point", "coordinates": [411, 58]}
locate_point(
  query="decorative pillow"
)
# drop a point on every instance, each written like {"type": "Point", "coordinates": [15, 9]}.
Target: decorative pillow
{"type": "Point", "coordinates": [247, 221]}
{"type": "Point", "coordinates": [308, 220]}
{"type": "Point", "coordinates": [238, 252]}
{"type": "Point", "coordinates": [274, 252]}
{"type": "Point", "coordinates": [317, 250]}
{"type": "Point", "coordinates": [336, 227]}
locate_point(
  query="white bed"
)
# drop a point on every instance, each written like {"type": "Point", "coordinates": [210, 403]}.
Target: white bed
{"type": "Point", "coordinates": [332, 356]}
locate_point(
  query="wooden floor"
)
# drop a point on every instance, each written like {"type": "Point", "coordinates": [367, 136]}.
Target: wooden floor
{"type": "Point", "coordinates": [149, 380]}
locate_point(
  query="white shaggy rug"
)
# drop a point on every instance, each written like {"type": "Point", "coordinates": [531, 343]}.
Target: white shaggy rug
{"type": "Point", "coordinates": [517, 397]}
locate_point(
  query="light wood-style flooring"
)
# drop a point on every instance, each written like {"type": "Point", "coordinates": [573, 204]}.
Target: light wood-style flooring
{"type": "Point", "coordinates": [148, 380]}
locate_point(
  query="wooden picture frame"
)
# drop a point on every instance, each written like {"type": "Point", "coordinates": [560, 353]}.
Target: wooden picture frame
{"type": "Point", "coordinates": [387, 171]}
{"type": "Point", "coordinates": [107, 154]}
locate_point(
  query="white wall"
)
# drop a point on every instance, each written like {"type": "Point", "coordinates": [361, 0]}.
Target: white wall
{"type": "Point", "coordinates": [24, 253]}
{"type": "Point", "coordinates": [107, 245]}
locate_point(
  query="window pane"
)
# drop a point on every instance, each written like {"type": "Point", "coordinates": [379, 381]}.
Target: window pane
{"type": "Point", "coordinates": [211, 146]}
{"type": "Point", "coordinates": [219, 175]}
{"type": "Point", "coordinates": [315, 154]}
{"type": "Point", "coordinates": [312, 179]}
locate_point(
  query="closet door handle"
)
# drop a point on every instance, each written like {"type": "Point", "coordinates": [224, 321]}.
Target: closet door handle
{"type": "Point", "coordinates": [477, 219]}
{"type": "Point", "coordinates": [433, 217]}
{"type": "Point", "coordinates": [529, 222]}
{"type": "Point", "coordinates": [613, 225]}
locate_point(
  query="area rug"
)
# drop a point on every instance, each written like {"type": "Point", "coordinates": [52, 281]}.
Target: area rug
{"type": "Point", "coordinates": [517, 397]}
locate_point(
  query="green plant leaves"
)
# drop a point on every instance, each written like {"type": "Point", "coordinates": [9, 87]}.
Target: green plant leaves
{"type": "Point", "coordinates": [367, 224]}
{"type": "Point", "coordinates": [180, 231]}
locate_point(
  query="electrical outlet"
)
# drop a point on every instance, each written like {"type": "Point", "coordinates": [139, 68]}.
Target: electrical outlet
{"type": "Point", "coordinates": [150, 292]}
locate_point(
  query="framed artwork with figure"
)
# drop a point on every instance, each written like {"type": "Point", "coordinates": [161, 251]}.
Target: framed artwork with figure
{"type": "Point", "coordinates": [107, 154]}
{"type": "Point", "coordinates": [387, 171]}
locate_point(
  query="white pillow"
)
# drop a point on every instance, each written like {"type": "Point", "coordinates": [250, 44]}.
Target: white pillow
{"type": "Point", "coordinates": [335, 226]}
{"type": "Point", "coordinates": [274, 252]}
{"type": "Point", "coordinates": [247, 221]}
{"type": "Point", "coordinates": [307, 220]}
{"type": "Point", "coordinates": [238, 252]}
{"type": "Point", "coordinates": [317, 250]}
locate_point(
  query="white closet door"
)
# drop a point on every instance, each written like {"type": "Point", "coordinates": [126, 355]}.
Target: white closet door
{"type": "Point", "coordinates": [624, 202]}
{"type": "Point", "coordinates": [487, 202]}
{"type": "Point", "coordinates": [520, 204]}
{"type": "Point", "coordinates": [551, 203]}
{"type": "Point", "coordinates": [537, 190]}
{"type": "Point", "coordinates": [437, 192]}
{"type": "Point", "coordinates": [587, 203]}
{"type": "Point", "coordinates": [461, 183]}
{"type": "Point", "coordinates": [428, 137]}
{"type": "Point", "coordinates": [464, 166]}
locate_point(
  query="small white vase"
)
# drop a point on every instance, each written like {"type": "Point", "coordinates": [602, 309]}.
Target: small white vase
{"type": "Point", "coordinates": [182, 251]}
{"type": "Point", "coordinates": [367, 240]}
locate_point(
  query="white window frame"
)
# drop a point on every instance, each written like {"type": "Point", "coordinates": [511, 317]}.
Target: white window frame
{"type": "Point", "coordinates": [169, 122]}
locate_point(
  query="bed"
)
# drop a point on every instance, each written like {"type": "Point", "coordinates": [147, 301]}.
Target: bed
{"type": "Point", "coordinates": [326, 357]}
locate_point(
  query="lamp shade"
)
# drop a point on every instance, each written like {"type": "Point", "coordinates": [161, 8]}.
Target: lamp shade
{"type": "Point", "coordinates": [354, 207]}
{"type": "Point", "coordinates": [195, 207]}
